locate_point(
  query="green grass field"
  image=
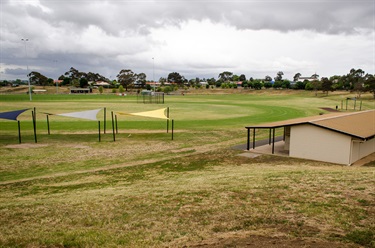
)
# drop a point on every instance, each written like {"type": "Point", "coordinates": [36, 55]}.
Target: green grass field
{"type": "Point", "coordinates": [145, 190]}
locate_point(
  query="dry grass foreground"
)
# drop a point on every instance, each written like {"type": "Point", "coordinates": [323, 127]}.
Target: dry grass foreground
{"type": "Point", "coordinates": [205, 199]}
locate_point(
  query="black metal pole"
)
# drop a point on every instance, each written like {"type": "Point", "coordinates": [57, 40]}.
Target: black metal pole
{"type": "Point", "coordinates": [105, 119]}
{"type": "Point", "coordinates": [99, 129]}
{"type": "Point", "coordinates": [48, 125]}
{"type": "Point", "coordinates": [273, 141]}
{"type": "Point", "coordinates": [19, 132]}
{"type": "Point", "coordinates": [269, 137]}
{"type": "Point", "coordinates": [172, 127]}
{"type": "Point", "coordinates": [116, 124]}
{"type": "Point", "coordinates": [360, 106]}
{"type": "Point", "coordinates": [113, 127]}
{"type": "Point", "coordinates": [248, 139]}
{"type": "Point", "coordinates": [168, 120]}
{"type": "Point", "coordinates": [34, 125]}
{"type": "Point", "coordinates": [254, 138]}
{"type": "Point", "coordinates": [355, 103]}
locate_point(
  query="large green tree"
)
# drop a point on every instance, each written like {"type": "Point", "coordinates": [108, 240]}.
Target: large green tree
{"type": "Point", "coordinates": [370, 83]}
{"type": "Point", "coordinates": [141, 79]}
{"type": "Point", "coordinates": [226, 76]}
{"type": "Point", "coordinates": [326, 85]}
{"type": "Point", "coordinates": [126, 78]}
{"type": "Point", "coordinates": [175, 77]}
{"type": "Point", "coordinates": [38, 78]}
{"type": "Point", "coordinates": [296, 77]}
{"type": "Point", "coordinates": [279, 76]}
{"type": "Point", "coordinates": [73, 74]}
{"type": "Point", "coordinates": [356, 78]}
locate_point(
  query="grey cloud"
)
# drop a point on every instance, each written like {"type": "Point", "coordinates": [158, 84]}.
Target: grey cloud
{"type": "Point", "coordinates": [113, 16]}
{"type": "Point", "coordinates": [56, 28]}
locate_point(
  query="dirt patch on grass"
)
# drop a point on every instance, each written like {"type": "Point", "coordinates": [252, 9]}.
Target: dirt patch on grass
{"type": "Point", "coordinates": [264, 241]}
{"type": "Point", "coordinates": [330, 109]}
{"type": "Point", "coordinates": [26, 146]}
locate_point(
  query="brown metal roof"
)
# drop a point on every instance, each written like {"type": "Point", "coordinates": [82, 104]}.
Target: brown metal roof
{"type": "Point", "coordinates": [357, 124]}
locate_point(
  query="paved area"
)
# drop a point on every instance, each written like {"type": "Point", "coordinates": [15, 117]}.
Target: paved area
{"type": "Point", "coordinates": [257, 144]}
{"type": "Point", "coordinates": [262, 147]}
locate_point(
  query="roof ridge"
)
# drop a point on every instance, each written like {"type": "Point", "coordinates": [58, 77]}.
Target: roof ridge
{"type": "Point", "coordinates": [339, 114]}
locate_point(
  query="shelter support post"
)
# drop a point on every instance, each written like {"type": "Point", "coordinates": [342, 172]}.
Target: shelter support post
{"type": "Point", "coordinates": [113, 127]}
{"type": "Point", "coordinates": [273, 140]}
{"type": "Point", "coordinates": [19, 132]}
{"type": "Point", "coordinates": [248, 139]}
{"type": "Point", "coordinates": [269, 137]}
{"type": "Point", "coordinates": [284, 134]}
{"type": "Point", "coordinates": [254, 138]}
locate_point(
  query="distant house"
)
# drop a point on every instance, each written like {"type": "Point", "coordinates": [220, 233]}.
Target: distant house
{"type": "Point", "coordinates": [80, 90]}
{"type": "Point", "coordinates": [58, 82]}
{"type": "Point", "coordinates": [102, 83]}
{"type": "Point", "coordinates": [314, 77]}
{"type": "Point", "coordinates": [342, 138]}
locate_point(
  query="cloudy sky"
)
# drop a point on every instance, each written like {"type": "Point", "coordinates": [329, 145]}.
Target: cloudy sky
{"type": "Point", "coordinates": [197, 38]}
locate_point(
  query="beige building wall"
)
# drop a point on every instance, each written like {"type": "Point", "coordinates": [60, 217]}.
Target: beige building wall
{"type": "Point", "coordinates": [361, 149]}
{"type": "Point", "coordinates": [311, 142]}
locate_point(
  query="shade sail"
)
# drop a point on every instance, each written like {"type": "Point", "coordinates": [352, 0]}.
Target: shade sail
{"type": "Point", "coordinates": [159, 113]}
{"type": "Point", "coordinates": [88, 115]}
{"type": "Point", "coordinates": [12, 115]}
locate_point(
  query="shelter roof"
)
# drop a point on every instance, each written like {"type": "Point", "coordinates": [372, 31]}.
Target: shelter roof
{"type": "Point", "coordinates": [357, 124]}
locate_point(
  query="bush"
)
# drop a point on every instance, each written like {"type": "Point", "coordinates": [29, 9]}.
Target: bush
{"type": "Point", "coordinates": [101, 89]}
{"type": "Point", "coordinates": [121, 89]}
{"type": "Point", "coordinates": [362, 237]}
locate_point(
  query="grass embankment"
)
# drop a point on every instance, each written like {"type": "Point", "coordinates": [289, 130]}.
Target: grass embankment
{"type": "Point", "coordinates": [145, 190]}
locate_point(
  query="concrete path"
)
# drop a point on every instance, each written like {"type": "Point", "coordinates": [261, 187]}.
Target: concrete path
{"type": "Point", "coordinates": [258, 143]}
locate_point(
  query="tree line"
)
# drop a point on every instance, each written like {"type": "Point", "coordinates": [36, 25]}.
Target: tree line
{"type": "Point", "coordinates": [356, 80]}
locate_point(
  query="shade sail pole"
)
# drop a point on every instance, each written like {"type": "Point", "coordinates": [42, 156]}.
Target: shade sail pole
{"type": "Point", "coordinates": [99, 129]}
{"type": "Point", "coordinates": [105, 119]}
{"type": "Point", "coordinates": [113, 127]}
{"type": "Point", "coordinates": [172, 127]}
{"type": "Point", "coordinates": [168, 120]}
{"type": "Point", "coordinates": [116, 124]}
{"type": "Point", "coordinates": [48, 125]}
{"type": "Point", "coordinates": [19, 131]}
{"type": "Point", "coordinates": [34, 125]}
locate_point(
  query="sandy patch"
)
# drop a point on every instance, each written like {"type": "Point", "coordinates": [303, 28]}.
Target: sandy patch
{"type": "Point", "coordinates": [26, 146]}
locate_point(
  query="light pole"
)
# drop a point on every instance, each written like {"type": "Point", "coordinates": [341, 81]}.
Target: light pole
{"type": "Point", "coordinates": [57, 80]}
{"type": "Point", "coordinates": [153, 73]}
{"type": "Point", "coordinates": [27, 68]}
